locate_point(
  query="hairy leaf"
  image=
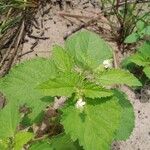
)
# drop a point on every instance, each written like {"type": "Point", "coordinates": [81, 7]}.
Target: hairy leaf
{"type": "Point", "coordinates": [59, 142]}
{"type": "Point", "coordinates": [64, 85]}
{"type": "Point", "coordinates": [62, 59]}
{"type": "Point", "coordinates": [94, 91]}
{"type": "Point", "coordinates": [127, 117]}
{"type": "Point", "coordinates": [64, 142]}
{"type": "Point", "coordinates": [20, 84]}
{"type": "Point", "coordinates": [41, 145]}
{"type": "Point", "coordinates": [68, 83]}
{"type": "Point", "coordinates": [95, 126]}
{"type": "Point", "coordinates": [9, 120]}
{"type": "Point", "coordinates": [21, 138]}
{"type": "Point", "coordinates": [117, 76]}
{"type": "Point", "coordinates": [88, 49]}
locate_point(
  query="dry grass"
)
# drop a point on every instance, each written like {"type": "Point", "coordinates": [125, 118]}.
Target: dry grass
{"type": "Point", "coordinates": [16, 16]}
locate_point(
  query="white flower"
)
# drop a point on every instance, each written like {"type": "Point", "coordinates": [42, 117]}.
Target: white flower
{"type": "Point", "coordinates": [80, 103]}
{"type": "Point", "coordinates": [108, 63]}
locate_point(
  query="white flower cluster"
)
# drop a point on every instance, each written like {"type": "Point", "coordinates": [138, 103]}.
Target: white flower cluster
{"type": "Point", "coordinates": [80, 103]}
{"type": "Point", "coordinates": [108, 63]}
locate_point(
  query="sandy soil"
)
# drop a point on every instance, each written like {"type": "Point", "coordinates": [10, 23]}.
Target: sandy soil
{"type": "Point", "coordinates": [53, 26]}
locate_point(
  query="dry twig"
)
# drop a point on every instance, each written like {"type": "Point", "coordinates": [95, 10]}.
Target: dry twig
{"type": "Point", "coordinates": [7, 66]}
{"type": "Point", "coordinates": [93, 20]}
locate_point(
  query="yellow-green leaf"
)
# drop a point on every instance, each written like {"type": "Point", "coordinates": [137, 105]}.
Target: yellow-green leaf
{"type": "Point", "coordinates": [21, 138]}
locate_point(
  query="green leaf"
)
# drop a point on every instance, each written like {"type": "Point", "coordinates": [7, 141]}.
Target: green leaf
{"type": "Point", "coordinates": [96, 125]}
{"type": "Point", "coordinates": [4, 144]}
{"type": "Point", "coordinates": [59, 142]}
{"type": "Point", "coordinates": [140, 25]}
{"type": "Point", "coordinates": [94, 91]}
{"type": "Point", "coordinates": [142, 57]}
{"type": "Point", "coordinates": [147, 71]}
{"type": "Point", "coordinates": [126, 63]}
{"type": "Point", "coordinates": [20, 84]}
{"type": "Point", "coordinates": [62, 59]}
{"type": "Point", "coordinates": [21, 138]}
{"type": "Point", "coordinates": [145, 49]}
{"type": "Point", "coordinates": [41, 145]}
{"type": "Point", "coordinates": [146, 30]}
{"type": "Point", "coordinates": [9, 120]}
{"type": "Point", "coordinates": [138, 59]}
{"type": "Point", "coordinates": [64, 142]}
{"type": "Point", "coordinates": [68, 83]}
{"type": "Point", "coordinates": [127, 117]}
{"type": "Point", "coordinates": [88, 49]}
{"type": "Point", "coordinates": [117, 76]}
{"type": "Point", "coordinates": [132, 38]}
{"type": "Point", "coordinates": [64, 85]}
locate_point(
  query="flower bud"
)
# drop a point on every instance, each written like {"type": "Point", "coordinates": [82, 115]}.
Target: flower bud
{"type": "Point", "coordinates": [108, 63]}
{"type": "Point", "coordinates": [80, 103]}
